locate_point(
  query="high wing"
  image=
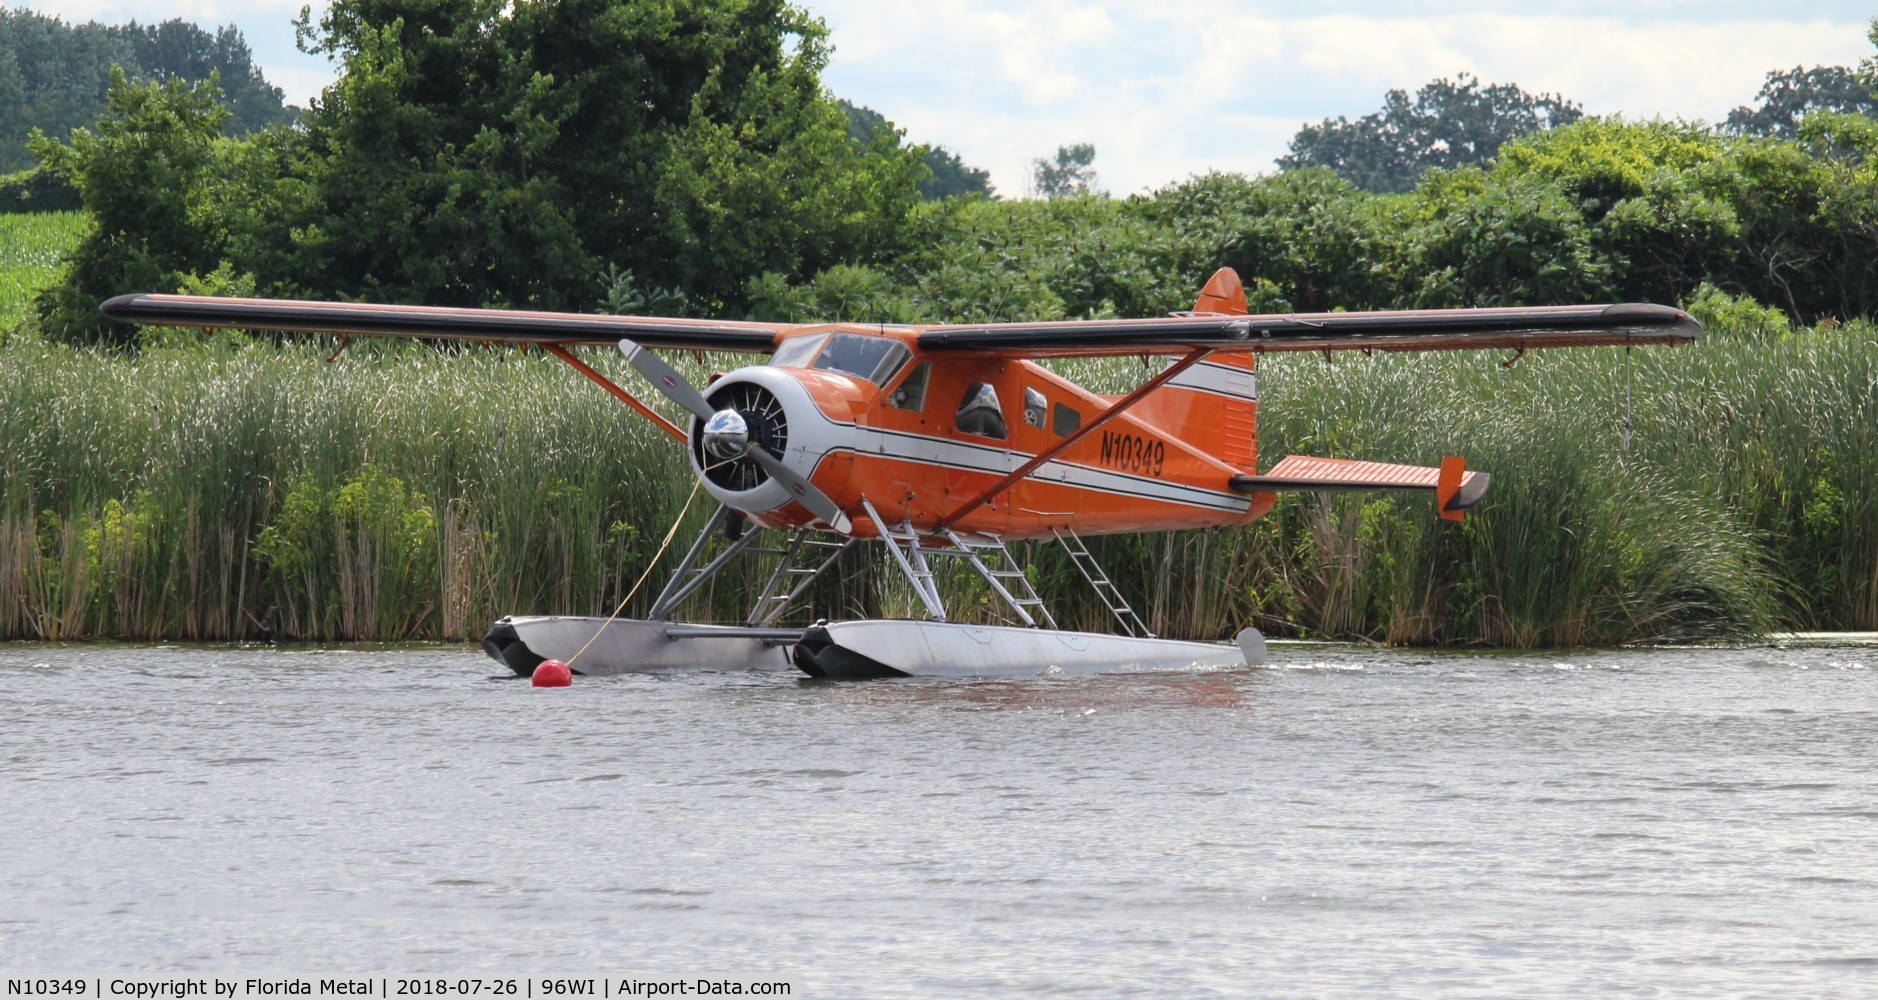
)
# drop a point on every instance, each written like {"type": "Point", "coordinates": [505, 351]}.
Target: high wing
{"type": "Point", "coordinates": [1407, 330]}
{"type": "Point", "coordinates": [434, 322]}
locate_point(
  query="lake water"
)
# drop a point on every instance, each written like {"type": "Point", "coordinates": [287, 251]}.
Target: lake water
{"type": "Point", "coordinates": [1669, 823]}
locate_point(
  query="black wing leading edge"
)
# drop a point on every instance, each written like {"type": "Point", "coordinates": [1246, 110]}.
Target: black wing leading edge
{"type": "Point", "coordinates": [1412, 330]}
{"type": "Point", "coordinates": [440, 323]}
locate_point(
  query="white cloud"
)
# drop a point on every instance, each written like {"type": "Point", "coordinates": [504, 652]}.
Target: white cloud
{"type": "Point", "coordinates": [1166, 90]}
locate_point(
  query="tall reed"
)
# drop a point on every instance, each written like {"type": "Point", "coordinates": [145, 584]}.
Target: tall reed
{"type": "Point", "coordinates": [32, 250]}
{"type": "Point", "coordinates": [239, 489]}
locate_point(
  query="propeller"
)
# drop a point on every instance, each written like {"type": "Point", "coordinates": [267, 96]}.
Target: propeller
{"type": "Point", "coordinates": [667, 380]}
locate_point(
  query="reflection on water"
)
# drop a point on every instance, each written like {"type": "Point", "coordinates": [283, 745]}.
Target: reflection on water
{"type": "Point", "coordinates": [1119, 692]}
{"type": "Point", "coordinates": [1665, 822]}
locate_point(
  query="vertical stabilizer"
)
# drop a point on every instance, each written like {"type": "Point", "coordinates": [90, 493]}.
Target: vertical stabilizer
{"type": "Point", "coordinates": [1214, 404]}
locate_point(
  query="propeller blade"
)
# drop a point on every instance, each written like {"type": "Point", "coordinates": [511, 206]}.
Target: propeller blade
{"type": "Point", "coordinates": [666, 379]}
{"type": "Point", "coordinates": [815, 500]}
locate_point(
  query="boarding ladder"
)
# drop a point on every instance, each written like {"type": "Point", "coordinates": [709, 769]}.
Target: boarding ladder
{"type": "Point", "coordinates": [804, 558]}
{"type": "Point", "coordinates": [1006, 577]}
{"type": "Point", "coordinates": [1105, 589]}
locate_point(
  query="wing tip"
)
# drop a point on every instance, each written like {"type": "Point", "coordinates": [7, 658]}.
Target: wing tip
{"type": "Point", "coordinates": [1658, 320]}
{"type": "Point", "coordinates": [122, 308]}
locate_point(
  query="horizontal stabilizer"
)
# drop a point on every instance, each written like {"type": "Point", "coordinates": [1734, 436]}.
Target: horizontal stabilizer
{"type": "Point", "coordinates": [1304, 474]}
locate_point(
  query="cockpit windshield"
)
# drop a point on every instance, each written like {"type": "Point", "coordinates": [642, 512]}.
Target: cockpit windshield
{"type": "Point", "coordinates": [876, 359]}
{"type": "Point", "coordinates": [796, 351]}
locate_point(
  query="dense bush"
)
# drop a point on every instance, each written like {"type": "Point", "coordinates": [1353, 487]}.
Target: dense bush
{"type": "Point", "coordinates": [37, 191]}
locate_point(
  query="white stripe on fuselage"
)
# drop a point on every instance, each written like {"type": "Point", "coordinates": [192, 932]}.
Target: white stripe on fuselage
{"type": "Point", "coordinates": [1220, 380]}
{"type": "Point", "coordinates": [813, 436]}
{"type": "Point", "coordinates": [995, 461]}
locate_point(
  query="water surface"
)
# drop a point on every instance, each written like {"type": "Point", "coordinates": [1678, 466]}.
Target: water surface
{"type": "Point", "coordinates": [1657, 822]}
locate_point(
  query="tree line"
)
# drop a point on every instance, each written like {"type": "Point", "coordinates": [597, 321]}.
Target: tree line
{"type": "Point", "coordinates": [54, 75]}
{"type": "Point", "coordinates": [685, 158]}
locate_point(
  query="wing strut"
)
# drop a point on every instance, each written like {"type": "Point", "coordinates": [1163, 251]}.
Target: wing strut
{"type": "Point", "coordinates": [606, 383]}
{"type": "Point", "coordinates": [1115, 410]}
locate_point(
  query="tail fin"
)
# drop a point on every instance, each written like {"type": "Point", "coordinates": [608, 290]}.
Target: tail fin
{"type": "Point", "coordinates": [1214, 404]}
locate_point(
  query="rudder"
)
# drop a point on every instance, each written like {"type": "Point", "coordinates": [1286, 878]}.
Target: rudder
{"type": "Point", "coordinates": [1213, 405]}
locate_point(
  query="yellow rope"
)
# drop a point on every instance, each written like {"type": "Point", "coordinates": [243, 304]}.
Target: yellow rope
{"type": "Point", "coordinates": [670, 533]}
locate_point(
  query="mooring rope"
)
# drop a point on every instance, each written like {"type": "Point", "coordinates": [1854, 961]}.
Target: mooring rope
{"type": "Point", "coordinates": [670, 534]}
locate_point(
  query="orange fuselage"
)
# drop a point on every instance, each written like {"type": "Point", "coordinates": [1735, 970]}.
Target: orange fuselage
{"type": "Point", "coordinates": [927, 439]}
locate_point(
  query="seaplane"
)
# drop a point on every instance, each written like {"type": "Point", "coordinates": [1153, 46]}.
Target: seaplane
{"type": "Point", "coordinates": [945, 444]}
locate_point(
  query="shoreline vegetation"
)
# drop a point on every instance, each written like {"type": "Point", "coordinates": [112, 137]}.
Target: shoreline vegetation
{"type": "Point", "coordinates": [242, 489]}
{"type": "Point", "coordinates": [172, 484]}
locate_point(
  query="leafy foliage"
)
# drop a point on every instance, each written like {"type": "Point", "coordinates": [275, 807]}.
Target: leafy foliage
{"type": "Point", "coordinates": [1449, 123]}
{"type": "Point", "coordinates": [54, 76]}
{"type": "Point", "coordinates": [37, 191]}
{"type": "Point", "coordinates": [949, 176]}
{"type": "Point", "coordinates": [952, 177]}
{"type": "Point", "coordinates": [479, 153]}
{"type": "Point", "coordinates": [1790, 95]}
{"type": "Point", "coordinates": [143, 174]}
{"type": "Point", "coordinates": [1069, 174]}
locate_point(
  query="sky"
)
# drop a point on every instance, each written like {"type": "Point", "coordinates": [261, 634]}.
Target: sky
{"type": "Point", "coordinates": [1166, 89]}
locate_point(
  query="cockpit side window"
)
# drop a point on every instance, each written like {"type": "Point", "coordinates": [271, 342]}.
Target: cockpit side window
{"type": "Point", "coordinates": [979, 412]}
{"type": "Point", "coordinates": [796, 351]}
{"type": "Point", "coordinates": [911, 395]}
{"type": "Point", "coordinates": [1034, 407]}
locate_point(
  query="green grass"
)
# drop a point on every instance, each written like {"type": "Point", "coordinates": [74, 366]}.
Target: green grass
{"type": "Point", "coordinates": [240, 489]}
{"type": "Point", "coordinates": [32, 249]}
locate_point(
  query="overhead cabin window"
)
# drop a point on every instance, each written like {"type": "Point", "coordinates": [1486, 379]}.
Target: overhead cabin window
{"type": "Point", "coordinates": [796, 351]}
{"type": "Point", "coordinates": [979, 412]}
{"type": "Point", "coordinates": [911, 395]}
{"type": "Point", "coordinates": [1034, 408]}
{"type": "Point", "coordinates": [1064, 421]}
{"type": "Point", "coordinates": [876, 359]}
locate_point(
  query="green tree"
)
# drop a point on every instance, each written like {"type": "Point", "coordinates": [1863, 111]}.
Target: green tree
{"type": "Point", "coordinates": [1658, 196]}
{"type": "Point", "coordinates": [145, 174]}
{"type": "Point", "coordinates": [1303, 240]}
{"type": "Point", "coordinates": [949, 176]}
{"type": "Point", "coordinates": [1790, 95]}
{"type": "Point", "coordinates": [952, 177]}
{"type": "Point", "coordinates": [484, 153]}
{"type": "Point", "coordinates": [54, 76]}
{"type": "Point", "coordinates": [178, 49]}
{"type": "Point", "coordinates": [1071, 173]}
{"type": "Point", "coordinates": [1478, 240]}
{"type": "Point", "coordinates": [1449, 123]}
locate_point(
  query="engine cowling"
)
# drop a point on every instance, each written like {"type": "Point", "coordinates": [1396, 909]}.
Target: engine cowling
{"type": "Point", "coordinates": [767, 409]}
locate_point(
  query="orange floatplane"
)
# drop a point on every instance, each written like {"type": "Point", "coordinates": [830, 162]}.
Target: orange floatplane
{"type": "Point", "coordinates": [951, 441]}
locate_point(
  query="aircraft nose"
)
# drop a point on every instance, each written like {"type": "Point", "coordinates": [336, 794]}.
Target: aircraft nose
{"type": "Point", "coordinates": [726, 435]}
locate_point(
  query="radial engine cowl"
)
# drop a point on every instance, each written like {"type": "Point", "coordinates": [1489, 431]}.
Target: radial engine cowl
{"type": "Point", "coordinates": [757, 407]}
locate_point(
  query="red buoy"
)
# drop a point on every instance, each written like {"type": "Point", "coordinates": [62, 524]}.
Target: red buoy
{"type": "Point", "coordinates": [553, 674]}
